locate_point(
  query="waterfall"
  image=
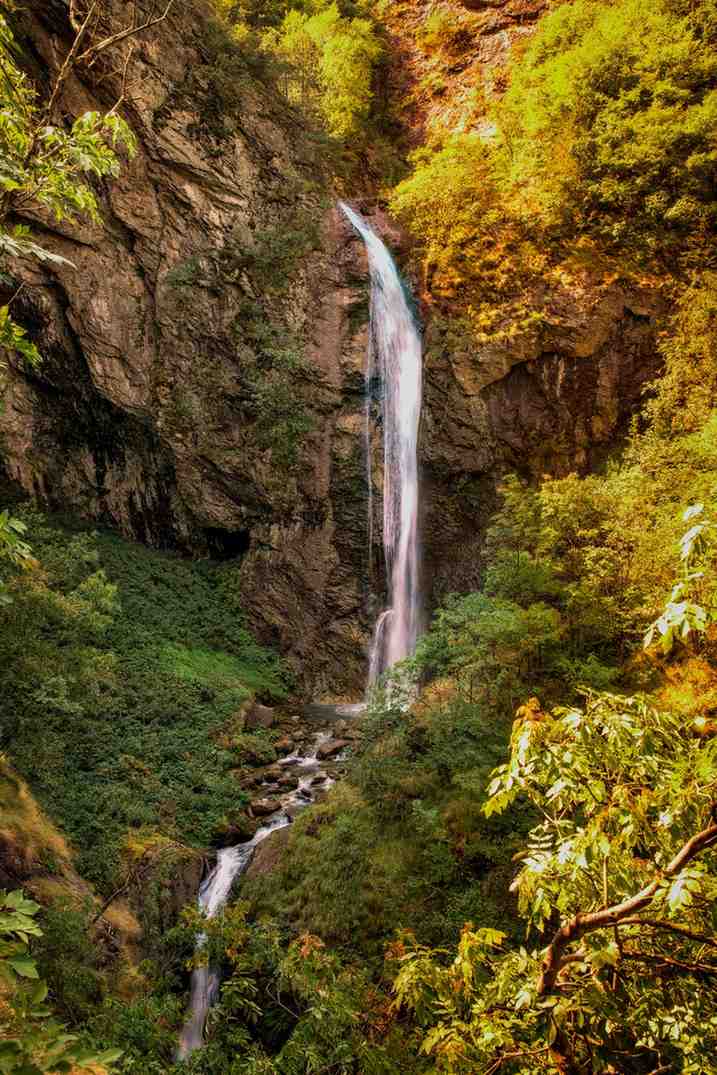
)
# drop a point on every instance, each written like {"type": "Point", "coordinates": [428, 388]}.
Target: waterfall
{"type": "Point", "coordinates": [213, 895]}
{"type": "Point", "coordinates": [395, 355]}
{"type": "Point", "coordinates": [231, 864]}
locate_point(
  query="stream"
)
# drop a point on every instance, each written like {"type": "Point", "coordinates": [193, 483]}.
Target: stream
{"type": "Point", "coordinates": [314, 778]}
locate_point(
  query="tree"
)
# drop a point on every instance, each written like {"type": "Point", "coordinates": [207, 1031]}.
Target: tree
{"type": "Point", "coordinates": [47, 167]}
{"type": "Point", "coordinates": [331, 58]}
{"type": "Point", "coordinates": [683, 617]}
{"type": "Point", "coordinates": [32, 1042]}
{"type": "Point", "coordinates": [617, 882]}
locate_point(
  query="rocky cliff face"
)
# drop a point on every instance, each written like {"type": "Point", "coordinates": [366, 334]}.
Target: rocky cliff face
{"type": "Point", "coordinates": [202, 388]}
{"type": "Point", "coordinates": [552, 404]}
{"type": "Point", "coordinates": [202, 381]}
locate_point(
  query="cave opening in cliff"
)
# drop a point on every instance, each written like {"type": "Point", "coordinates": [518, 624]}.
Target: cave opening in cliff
{"type": "Point", "coordinates": [225, 545]}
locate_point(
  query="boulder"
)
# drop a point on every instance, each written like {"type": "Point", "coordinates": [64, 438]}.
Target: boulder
{"type": "Point", "coordinates": [252, 781]}
{"type": "Point", "coordinates": [331, 748]}
{"type": "Point", "coordinates": [264, 807]}
{"type": "Point", "coordinates": [236, 830]}
{"type": "Point", "coordinates": [260, 716]}
{"type": "Point", "coordinates": [268, 854]}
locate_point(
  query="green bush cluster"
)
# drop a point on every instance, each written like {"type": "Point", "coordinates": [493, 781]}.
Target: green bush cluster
{"type": "Point", "coordinates": [121, 670]}
{"type": "Point", "coordinates": [602, 144]}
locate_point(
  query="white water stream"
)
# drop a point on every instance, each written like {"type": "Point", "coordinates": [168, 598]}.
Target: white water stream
{"type": "Point", "coordinates": [395, 354]}
{"type": "Point", "coordinates": [231, 863]}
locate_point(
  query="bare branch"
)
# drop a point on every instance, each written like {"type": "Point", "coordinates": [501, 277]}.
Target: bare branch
{"type": "Point", "coordinates": [671, 927]}
{"type": "Point", "coordinates": [70, 60]}
{"type": "Point", "coordinates": [90, 54]}
{"type": "Point", "coordinates": [662, 963]}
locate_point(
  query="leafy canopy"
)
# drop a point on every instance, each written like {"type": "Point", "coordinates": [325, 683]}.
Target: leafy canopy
{"type": "Point", "coordinates": [32, 1042]}
{"type": "Point", "coordinates": [331, 58]}
{"type": "Point", "coordinates": [623, 857]}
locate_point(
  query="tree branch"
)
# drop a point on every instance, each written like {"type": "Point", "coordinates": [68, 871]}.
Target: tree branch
{"type": "Point", "coordinates": [90, 54]}
{"type": "Point", "coordinates": [671, 927]}
{"type": "Point", "coordinates": [582, 924]}
{"type": "Point", "coordinates": [70, 60]}
{"type": "Point", "coordinates": [661, 962]}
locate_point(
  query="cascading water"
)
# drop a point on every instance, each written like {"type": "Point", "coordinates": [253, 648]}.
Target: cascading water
{"type": "Point", "coordinates": [214, 893]}
{"type": "Point", "coordinates": [395, 355]}
{"type": "Point", "coordinates": [231, 863]}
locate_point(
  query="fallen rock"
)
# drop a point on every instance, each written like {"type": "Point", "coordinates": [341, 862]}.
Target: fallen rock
{"type": "Point", "coordinates": [331, 748]}
{"type": "Point", "coordinates": [264, 807]}
{"type": "Point", "coordinates": [284, 746]}
{"type": "Point", "coordinates": [260, 716]}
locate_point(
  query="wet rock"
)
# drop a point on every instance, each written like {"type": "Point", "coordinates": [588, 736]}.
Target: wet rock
{"type": "Point", "coordinates": [236, 830]}
{"type": "Point", "coordinates": [264, 807]}
{"type": "Point", "coordinates": [260, 716]}
{"type": "Point", "coordinates": [284, 746]}
{"type": "Point", "coordinates": [267, 855]}
{"type": "Point", "coordinates": [275, 772]}
{"type": "Point", "coordinates": [331, 748]}
{"type": "Point", "coordinates": [289, 780]}
{"type": "Point", "coordinates": [320, 778]}
{"type": "Point", "coordinates": [251, 781]}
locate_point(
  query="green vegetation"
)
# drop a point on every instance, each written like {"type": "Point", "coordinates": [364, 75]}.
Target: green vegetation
{"type": "Point", "coordinates": [322, 55]}
{"type": "Point", "coordinates": [330, 65]}
{"type": "Point", "coordinates": [606, 801]}
{"type": "Point", "coordinates": [518, 875]}
{"type": "Point", "coordinates": [46, 167]}
{"type": "Point", "coordinates": [124, 671]}
{"type": "Point", "coordinates": [32, 1042]}
{"type": "Point", "coordinates": [603, 144]}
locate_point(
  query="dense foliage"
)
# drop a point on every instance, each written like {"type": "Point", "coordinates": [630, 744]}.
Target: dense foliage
{"type": "Point", "coordinates": [122, 671]}
{"type": "Point", "coordinates": [518, 874]}
{"type": "Point", "coordinates": [603, 143]}
{"type": "Point", "coordinates": [325, 54]}
{"type": "Point", "coordinates": [623, 858]}
{"type": "Point", "coordinates": [32, 1042]}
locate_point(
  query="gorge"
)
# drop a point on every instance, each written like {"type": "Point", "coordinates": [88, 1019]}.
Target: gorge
{"type": "Point", "coordinates": [335, 336]}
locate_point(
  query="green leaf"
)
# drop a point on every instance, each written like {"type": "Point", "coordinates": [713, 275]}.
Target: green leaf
{"type": "Point", "coordinates": [25, 967]}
